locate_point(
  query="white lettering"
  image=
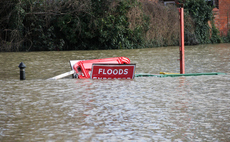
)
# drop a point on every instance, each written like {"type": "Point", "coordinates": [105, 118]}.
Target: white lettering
{"type": "Point", "coordinates": [104, 71]}
{"type": "Point", "coordinates": [126, 71]}
{"type": "Point", "coordinates": [99, 71]}
{"type": "Point", "coordinates": [115, 71]}
{"type": "Point", "coordinates": [120, 71]}
{"type": "Point", "coordinates": [109, 71]}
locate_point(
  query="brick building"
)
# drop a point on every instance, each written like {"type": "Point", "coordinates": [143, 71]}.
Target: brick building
{"type": "Point", "coordinates": [221, 13]}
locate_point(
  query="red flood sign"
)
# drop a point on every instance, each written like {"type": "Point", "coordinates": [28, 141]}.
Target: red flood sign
{"type": "Point", "coordinates": [113, 71]}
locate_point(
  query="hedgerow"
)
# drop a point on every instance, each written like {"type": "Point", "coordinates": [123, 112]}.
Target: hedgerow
{"type": "Point", "coordinates": [35, 25]}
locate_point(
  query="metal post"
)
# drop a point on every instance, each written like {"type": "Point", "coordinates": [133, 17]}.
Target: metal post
{"type": "Point", "coordinates": [181, 13]}
{"type": "Point", "coordinates": [22, 67]}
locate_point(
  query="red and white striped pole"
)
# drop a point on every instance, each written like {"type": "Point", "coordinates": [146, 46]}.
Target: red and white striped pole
{"type": "Point", "coordinates": [181, 13]}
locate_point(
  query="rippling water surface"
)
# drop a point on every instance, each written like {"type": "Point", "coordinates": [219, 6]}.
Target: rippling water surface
{"type": "Point", "coordinates": [144, 109]}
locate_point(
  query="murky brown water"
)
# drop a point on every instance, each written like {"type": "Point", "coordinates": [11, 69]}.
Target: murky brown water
{"type": "Point", "coordinates": [143, 109]}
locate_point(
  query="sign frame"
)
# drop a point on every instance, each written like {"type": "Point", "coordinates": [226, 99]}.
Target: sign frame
{"type": "Point", "coordinates": [113, 66]}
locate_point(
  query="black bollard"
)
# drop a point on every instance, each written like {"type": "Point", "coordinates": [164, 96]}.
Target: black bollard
{"type": "Point", "coordinates": [22, 67]}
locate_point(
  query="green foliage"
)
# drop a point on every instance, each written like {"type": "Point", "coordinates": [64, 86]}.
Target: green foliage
{"type": "Point", "coordinates": [201, 13]}
{"type": "Point", "coordinates": [11, 25]}
{"type": "Point", "coordinates": [41, 27]}
{"type": "Point", "coordinates": [114, 32]}
{"type": "Point", "coordinates": [226, 39]}
{"type": "Point", "coordinates": [215, 38]}
{"type": "Point", "coordinates": [46, 39]}
{"type": "Point", "coordinates": [34, 25]}
{"type": "Point", "coordinates": [102, 27]}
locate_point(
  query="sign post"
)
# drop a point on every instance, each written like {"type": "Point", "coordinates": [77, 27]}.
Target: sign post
{"type": "Point", "coordinates": [182, 64]}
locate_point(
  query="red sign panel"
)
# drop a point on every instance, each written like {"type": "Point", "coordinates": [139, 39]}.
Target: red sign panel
{"type": "Point", "coordinates": [113, 71]}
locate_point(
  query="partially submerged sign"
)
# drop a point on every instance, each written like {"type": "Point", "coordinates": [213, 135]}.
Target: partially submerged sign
{"type": "Point", "coordinates": [113, 71]}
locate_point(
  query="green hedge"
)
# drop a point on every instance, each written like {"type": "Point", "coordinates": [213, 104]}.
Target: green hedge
{"type": "Point", "coordinates": [42, 25]}
{"type": "Point", "coordinates": [69, 25]}
{"type": "Point", "coordinates": [201, 14]}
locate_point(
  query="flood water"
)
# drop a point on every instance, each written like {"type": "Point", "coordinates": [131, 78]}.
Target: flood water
{"type": "Point", "coordinates": [195, 108]}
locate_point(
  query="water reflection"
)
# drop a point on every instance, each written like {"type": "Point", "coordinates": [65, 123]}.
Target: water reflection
{"type": "Point", "coordinates": [143, 109]}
